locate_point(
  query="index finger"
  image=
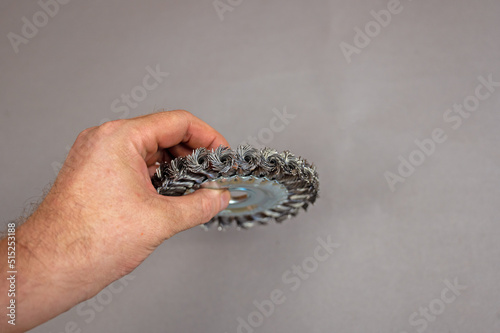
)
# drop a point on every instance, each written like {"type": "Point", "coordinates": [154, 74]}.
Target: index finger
{"type": "Point", "coordinates": [167, 129]}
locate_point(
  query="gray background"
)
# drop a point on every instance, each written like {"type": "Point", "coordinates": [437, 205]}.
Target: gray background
{"type": "Point", "coordinates": [353, 120]}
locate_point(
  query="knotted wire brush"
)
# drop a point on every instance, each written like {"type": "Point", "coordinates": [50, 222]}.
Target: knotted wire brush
{"type": "Point", "coordinates": [265, 185]}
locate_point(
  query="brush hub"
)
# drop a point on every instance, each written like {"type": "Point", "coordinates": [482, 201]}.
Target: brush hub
{"type": "Point", "coordinates": [249, 195]}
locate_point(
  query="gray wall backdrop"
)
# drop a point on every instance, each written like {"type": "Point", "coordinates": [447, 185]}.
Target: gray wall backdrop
{"type": "Point", "coordinates": [359, 101]}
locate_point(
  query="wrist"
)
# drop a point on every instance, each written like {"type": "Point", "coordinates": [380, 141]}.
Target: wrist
{"type": "Point", "coordinates": [50, 274]}
{"type": "Point", "coordinates": [53, 249]}
{"type": "Point", "coordinates": [45, 287]}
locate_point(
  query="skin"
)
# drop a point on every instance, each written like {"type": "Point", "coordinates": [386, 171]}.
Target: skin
{"type": "Point", "coordinates": [103, 217]}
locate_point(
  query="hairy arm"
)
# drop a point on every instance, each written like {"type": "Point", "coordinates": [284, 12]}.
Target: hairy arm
{"type": "Point", "coordinates": [103, 217]}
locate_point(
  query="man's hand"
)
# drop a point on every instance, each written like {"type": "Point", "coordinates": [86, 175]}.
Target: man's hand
{"type": "Point", "coordinates": [103, 217]}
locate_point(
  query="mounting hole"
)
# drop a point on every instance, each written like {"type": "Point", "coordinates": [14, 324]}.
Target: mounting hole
{"type": "Point", "coordinates": [237, 196]}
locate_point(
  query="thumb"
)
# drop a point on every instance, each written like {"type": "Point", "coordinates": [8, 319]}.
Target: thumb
{"type": "Point", "coordinates": [198, 207]}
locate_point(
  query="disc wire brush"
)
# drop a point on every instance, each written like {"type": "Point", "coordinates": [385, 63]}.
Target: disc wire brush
{"type": "Point", "coordinates": [265, 185]}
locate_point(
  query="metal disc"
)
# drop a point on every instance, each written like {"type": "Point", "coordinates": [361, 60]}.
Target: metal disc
{"type": "Point", "coordinates": [249, 195]}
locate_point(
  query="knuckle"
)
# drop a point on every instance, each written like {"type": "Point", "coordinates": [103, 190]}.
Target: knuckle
{"type": "Point", "coordinates": [183, 112]}
{"type": "Point", "coordinates": [84, 138]}
{"type": "Point", "coordinates": [111, 127]}
{"type": "Point", "coordinates": [83, 134]}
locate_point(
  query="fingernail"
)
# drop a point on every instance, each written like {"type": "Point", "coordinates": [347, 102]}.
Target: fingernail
{"type": "Point", "coordinates": [224, 200]}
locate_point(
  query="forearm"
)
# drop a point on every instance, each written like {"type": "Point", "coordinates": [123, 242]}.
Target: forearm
{"type": "Point", "coordinates": [46, 283]}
